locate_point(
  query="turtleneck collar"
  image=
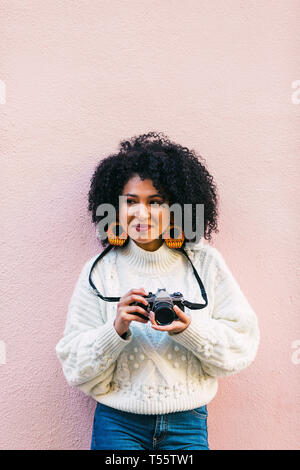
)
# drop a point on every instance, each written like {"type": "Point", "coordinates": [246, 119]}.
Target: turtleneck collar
{"type": "Point", "coordinates": [148, 262]}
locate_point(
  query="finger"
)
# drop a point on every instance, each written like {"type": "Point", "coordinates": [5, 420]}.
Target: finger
{"type": "Point", "coordinates": [141, 291]}
{"type": "Point", "coordinates": [132, 317]}
{"type": "Point", "coordinates": [152, 318]}
{"type": "Point", "coordinates": [127, 300]}
{"type": "Point", "coordinates": [136, 298]}
{"type": "Point", "coordinates": [162, 327]}
{"type": "Point", "coordinates": [135, 308]}
{"type": "Point", "coordinates": [133, 298]}
{"type": "Point", "coordinates": [155, 325]}
{"type": "Point", "coordinates": [177, 309]}
{"type": "Point", "coordinates": [174, 327]}
{"type": "Point", "coordinates": [180, 314]}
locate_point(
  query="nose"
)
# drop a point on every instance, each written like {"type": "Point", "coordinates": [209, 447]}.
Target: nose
{"type": "Point", "coordinates": [142, 212]}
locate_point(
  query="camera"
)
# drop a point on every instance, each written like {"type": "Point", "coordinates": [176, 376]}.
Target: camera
{"type": "Point", "coordinates": [161, 305]}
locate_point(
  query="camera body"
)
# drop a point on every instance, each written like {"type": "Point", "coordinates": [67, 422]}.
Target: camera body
{"type": "Point", "coordinates": [161, 303]}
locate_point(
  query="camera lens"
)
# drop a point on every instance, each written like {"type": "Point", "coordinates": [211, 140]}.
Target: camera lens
{"type": "Point", "coordinates": [164, 314]}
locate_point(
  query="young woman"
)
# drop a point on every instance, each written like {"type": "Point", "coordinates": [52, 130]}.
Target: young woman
{"type": "Point", "coordinates": [153, 378]}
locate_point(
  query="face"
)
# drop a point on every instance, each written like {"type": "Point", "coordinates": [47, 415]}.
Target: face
{"type": "Point", "coordinates": [144, 214]}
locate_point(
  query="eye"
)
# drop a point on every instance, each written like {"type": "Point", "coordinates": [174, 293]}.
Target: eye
{"type": "Point", "coordinates": [158, 203]}
{"type": "Point", "coordinates": [130, 201]}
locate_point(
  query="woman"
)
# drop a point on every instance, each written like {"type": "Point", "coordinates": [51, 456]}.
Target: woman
{"type": "Point", "coordinates": [152, 379]}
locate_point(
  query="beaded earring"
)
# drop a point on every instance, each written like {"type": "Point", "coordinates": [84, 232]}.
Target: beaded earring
{"type": "Point", "coordinates": [178, 239]}
{"type": "Point", "coordinates": [116, 235]}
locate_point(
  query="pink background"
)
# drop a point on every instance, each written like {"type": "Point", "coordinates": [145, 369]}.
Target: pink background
{"type": "Point", "coordinates": [214, 75]}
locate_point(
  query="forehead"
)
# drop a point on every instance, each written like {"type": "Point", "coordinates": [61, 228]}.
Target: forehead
{"type": "Point", "coordinates": [135, 185]}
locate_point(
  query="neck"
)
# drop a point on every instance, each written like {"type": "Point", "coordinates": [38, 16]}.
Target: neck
{"type": "Point", "coordinates": [150, 246]}
{"type": "Point", "coordinates": [132, 256]}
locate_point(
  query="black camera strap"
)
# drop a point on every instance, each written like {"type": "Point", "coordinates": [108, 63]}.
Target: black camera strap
{"type": "Point", "coordinates": [107, 299]}
{"type": "Point", "coordinates": [186, 303]}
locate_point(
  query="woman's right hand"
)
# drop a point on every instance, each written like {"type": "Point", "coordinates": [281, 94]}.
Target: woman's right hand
{"type": "Point", "coordinates": [125, 311]}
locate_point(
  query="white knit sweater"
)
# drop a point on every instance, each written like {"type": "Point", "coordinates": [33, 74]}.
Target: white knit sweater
{"type": "Point", "coordinates": [155, 372]}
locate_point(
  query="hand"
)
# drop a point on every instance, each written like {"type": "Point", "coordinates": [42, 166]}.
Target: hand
{"type": "Point", "coordinates": [177, 326]}
{"type": "Point", "coordinates": [126, 312]}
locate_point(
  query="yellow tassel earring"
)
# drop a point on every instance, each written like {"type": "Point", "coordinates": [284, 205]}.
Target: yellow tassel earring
{"type": "Point", "coordinates": [177, 239]}
{"type": "Point", "coordinates": [116, 235]}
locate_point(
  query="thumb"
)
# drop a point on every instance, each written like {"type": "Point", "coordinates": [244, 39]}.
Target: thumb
{"type": "Point", "coordinates": [181, 314]}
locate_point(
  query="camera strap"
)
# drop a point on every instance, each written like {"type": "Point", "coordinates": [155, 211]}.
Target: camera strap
{"type": "Point", "coordinates": [186, 303]}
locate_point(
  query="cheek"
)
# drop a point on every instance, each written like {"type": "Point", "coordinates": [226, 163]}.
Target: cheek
{"type": "Point", "coordinates": [123, 215]}
{"type": "Point", "coordinates": [161, 220]}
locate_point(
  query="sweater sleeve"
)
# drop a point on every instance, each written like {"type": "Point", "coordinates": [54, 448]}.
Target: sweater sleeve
{"type": "Point", "coordinates": [228, 340]}
{"type": "Point", "coordinates": [90, 346]}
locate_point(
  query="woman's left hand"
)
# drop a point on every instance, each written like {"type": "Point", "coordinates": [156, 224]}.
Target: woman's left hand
{"type": "Point", "coordinates": [177, 326]}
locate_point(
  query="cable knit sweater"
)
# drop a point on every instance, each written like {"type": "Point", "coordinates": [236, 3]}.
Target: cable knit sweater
{"type": "Point", "coordinates": [150, 371]}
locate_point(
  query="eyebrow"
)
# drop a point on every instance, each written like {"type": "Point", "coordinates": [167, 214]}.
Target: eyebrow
{"type": "Point", "coordinates": [134, 195]}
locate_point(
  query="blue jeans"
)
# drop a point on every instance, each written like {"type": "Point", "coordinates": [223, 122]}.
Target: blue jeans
{"type": "Point", "coordinates": [121, 430]}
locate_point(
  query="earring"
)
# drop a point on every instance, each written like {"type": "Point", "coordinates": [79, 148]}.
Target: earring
{"type": "Point", "coordinates": [112, 234]}
{"type": "Point", "coordinates": [178, 239]}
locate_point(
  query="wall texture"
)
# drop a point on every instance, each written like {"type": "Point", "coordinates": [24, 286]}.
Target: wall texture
{"type": "Point", "coordinates": [215, 75]}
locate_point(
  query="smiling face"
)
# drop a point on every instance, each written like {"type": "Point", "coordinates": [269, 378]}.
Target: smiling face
{"type": "Point", "coordinates": [144, 214]}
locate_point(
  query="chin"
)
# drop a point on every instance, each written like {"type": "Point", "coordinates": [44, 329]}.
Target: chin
{"type": "Point", "coordinates": [144, 240]}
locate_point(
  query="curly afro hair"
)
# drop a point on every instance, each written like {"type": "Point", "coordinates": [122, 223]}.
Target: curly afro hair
{"type": "Point", "coordinates": [176, 172]}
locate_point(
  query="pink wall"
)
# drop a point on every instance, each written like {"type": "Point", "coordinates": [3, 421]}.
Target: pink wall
{"type": "Point", "coordinates": [214, 75]}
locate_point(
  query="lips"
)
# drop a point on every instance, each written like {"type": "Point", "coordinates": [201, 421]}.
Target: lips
{"type": "Point", "coordinates": [142, 227]}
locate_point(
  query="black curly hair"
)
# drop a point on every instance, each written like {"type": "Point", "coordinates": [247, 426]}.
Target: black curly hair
{"type": "Point", "coordinates": [176, 172]}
